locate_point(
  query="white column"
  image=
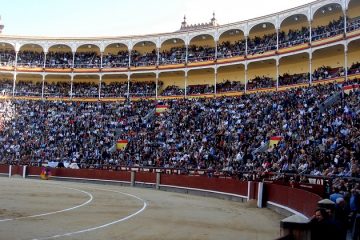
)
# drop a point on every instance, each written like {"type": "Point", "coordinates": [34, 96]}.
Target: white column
{"type": "Point", "coordinates": [45, 53]}
{"type": "Point", "coordinates": [246, 68]}
{"type": "Point", "coordinates": [277, 73]}
{"type": "Point", "coordinates": [260, 194]}
{"type": "Point", "coordinates": [128, 85]}
{"type": "Point", "coordinates": [346, 62]}
{"type": "Point", "coordinates": [101, 60]}
{"type": "Point", "coordinates": [73, 61]}
{"type": "Point", "coordinates": [24, 171]}
{"type": "Point", "coordinates": [158, 56]}
{"type": "Point", "coordinates": [246, 45]}
{"type": "Point", "coordinates": [310, 67]}
{"type": "Point", "coordinates": [14, 83]}
{"type": "Point", "coordinates": [43, 86]}
{"type": "Point", "coordinates": [186, 54]}
{"type": "Point", "coordinates": [310, 32]}
{"type": "Point", "coordinates": [100, 82]}
{"type": "Point", "coordinates": [156, 84]}
{"type": "Point", "coordinates": [186, 79]}
{"type": "Point", "coordinates": [10, 168]}
{"type": "Point", "coordinates": [130, 58]}
{"type": "Point", "coordinates": [277, 39]}
{"type": "Point", "coordinates": [215, 80]}
{"type": "Point", "coordinates": [71, 85]}
{"type": "Point", "coordinates": [345, 22]}
{"type": "Point", "coordinates": [16, 59]}
{"type": "Point", "coordinates": [216, 50]}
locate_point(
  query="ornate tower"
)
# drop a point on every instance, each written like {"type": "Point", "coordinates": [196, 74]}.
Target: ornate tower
{"type": "Point", "coordinates": [1, 25]}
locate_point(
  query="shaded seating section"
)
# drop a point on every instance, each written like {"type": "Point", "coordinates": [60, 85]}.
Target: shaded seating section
{"type": "Point", "coordinates": [261, 82]}
{"type": "Point", "coordinates": [25, 88]}
{"type": "Point", "coordinates": [30, 59]}
{"type": "Point", "coordinates": [228, 50]}
{"type": "Point", "coordinates": [175, 55]}
{"type": "Point", "coordinates": [145, 59]}
{"type": "Point", "coordinates": [172, 91]}
{"type": "Point", "coordinates": [85, 90]}
{"type": "Point", "coordinates": [230, 86]}
{"type": "Point", "coordinates": [120, 60]}
{"type": "Point", "coordinates": [287, 79]}
{"type": "Point", "coordinates": [6, 86]}
{"type": "Point", "coordinates": [7, 58]}
{"type": "Point", "coordinates": [200, 89]}
{"type": "Point", "coordinates": [114, 89]}
{"type": "Point", "coordinates": [201, 53]}
{"type": "Point", "coordinates": [59, 60]}
{"type": "Point", "coordinates": [87, 60]}
{"type": "Point", "coordinates": [58, 89]}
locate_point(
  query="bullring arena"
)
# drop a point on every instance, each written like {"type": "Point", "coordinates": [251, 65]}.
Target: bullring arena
{"type": "Point", "coordinates": [34, 209]}
{"type": "Point", "coordinates": [247, 130]}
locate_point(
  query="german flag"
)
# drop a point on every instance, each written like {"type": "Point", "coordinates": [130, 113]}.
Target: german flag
{"type": "Point", "coordinates": [161, 108]}
{"type": "Point", "coordinates": [274, 141]}
{"type": "Point", "coordinates": [121, 145]}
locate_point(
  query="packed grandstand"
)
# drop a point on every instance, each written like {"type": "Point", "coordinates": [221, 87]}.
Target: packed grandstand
{"type": "Point", "coordinates": [277, 94]}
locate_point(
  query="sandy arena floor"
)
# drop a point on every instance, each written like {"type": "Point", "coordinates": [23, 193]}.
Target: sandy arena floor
{"type": "Point", "coordinates": [35, 209]}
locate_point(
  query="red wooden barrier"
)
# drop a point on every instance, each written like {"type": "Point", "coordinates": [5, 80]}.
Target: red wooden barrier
{"type": "Point", "coordinates": [227, 185]}
{"type": "Point", "coordinates": [4, 168]}
{"type": "Point", "coordinates": [148, 177]}
{"type": "Point", "coordinates": [300, 200]}
{"type": "Point", "coordinates": [17, 170]}
{"type": "Point", "coordinates": [85, 173]}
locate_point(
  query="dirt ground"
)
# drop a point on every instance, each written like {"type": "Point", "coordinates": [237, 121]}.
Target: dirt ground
{"type": "Point", "coordinates": [38, 209]}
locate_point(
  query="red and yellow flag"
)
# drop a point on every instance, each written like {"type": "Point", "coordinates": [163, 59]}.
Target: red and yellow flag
{"type": "Point", "coordinates": [350, 88]}
{"type": "Point", "coordinates": [161, 108]}
{"type": "Point", "coordinates": [121, 144]}
{"type": "Point", "coordinates": [274, 141]}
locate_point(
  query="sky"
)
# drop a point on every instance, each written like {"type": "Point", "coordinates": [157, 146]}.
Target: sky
{"type": "Point", "coordinates": [96, 18]}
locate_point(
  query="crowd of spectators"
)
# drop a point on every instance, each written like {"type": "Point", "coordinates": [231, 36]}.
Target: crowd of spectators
{"type": "Point", "coordinates": [230, 86]}
{"type": "Point", "coordinates": [175, 55]}
{"type": "Point", "coordinates": [119, 60]}
{"type": "Point", "coordinates": [148, 88]}
{"type": "Point", "coordinates": [334, 27]}
{"type": "Point", "coordinates": [199, 89]}
{"type": "Point", "coordinates": [289, 79]}
{"type": "Point", "coordinates": [28, 88]}
{"type": "Point", "coordinates": [85, 89]}
{"type": "Point", "coordinates": [143, 59]}
{"type": "Point", "coordinates": [216, 134]}
{"type": "Point", "coordinates": [173, 90]}
{"type": "Point", "coordinates": [59, 60]}
{"type": "Point", "coordinates": [114, 89]}
{"type": "Point", "coordinates": [87, 60]}
{"type": "Point", "coordinates": [30, 59]}
{"type": "Point", "coordinates": [261, 82]}
{"type": "Point", "coordinates": [326, 72]}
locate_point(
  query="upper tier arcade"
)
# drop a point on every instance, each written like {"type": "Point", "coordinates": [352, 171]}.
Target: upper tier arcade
{"type": "Point", "coordinates": [260, 43]}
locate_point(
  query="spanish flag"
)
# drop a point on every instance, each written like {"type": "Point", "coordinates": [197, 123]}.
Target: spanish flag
{"type": "Point", "coordinates": [350, 88]}
{"type": "Point", "coordinates": [121, 144]}
{"type": "Point", "coordinates": [161, 108]}
{"type": "Point", "coordinates": [274, 141]}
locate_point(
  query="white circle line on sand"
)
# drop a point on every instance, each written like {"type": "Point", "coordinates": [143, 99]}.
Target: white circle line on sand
{"type": "Point", "coordinates": [104, 225]}
{"type": "Point", "coordinates": [59, 211]}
